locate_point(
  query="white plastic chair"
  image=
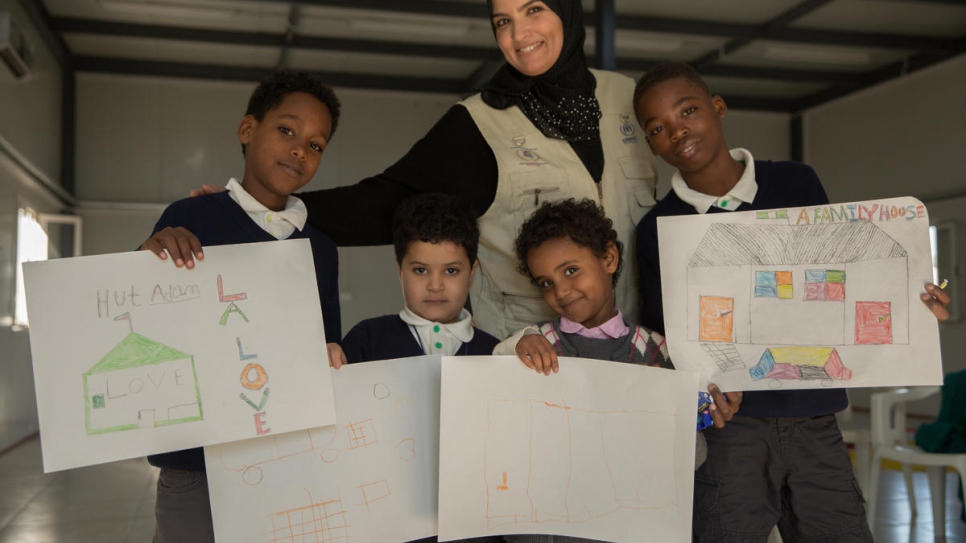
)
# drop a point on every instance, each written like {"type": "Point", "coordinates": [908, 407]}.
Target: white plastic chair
{"type": "Point", "coordinates": [861, 438]}
{"type": "Point", "coordinates": [889, 441]}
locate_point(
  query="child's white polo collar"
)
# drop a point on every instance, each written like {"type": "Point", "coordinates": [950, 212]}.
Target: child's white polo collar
{"type": "Point", "coordinates": [438, 338]}
{"type": "Point", "coordinates": [744, 190]}
{"type": "Point", "coordinates": [280, 224]}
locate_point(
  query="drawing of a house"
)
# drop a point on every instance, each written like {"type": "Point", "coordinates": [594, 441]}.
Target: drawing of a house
{"type": "Point", "coordinates": [778, 286]}
{"type": "Point", "coordinates": [141, 383]}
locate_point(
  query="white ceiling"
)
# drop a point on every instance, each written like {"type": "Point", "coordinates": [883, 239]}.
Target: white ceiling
{"type": "Point", "coordinates": [783, 55]}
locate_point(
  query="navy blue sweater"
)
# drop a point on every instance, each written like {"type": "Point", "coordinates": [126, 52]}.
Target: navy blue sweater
{"type": "Point", "coordinates": [780, 184]}
{"type": "Point", "coordinates": [387, 337]}
{"type": "Point", "coordinates": [218, 220]}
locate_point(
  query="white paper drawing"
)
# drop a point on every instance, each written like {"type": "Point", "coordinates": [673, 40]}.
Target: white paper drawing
{"type": "Point", "coordinates": [372, 477]}
{"type": "Point", "coordinates": [600, 450]}
{"type": "Point", "coordinates": [133, 356]}
{"type": "Point", "coordinates": [824, 296]}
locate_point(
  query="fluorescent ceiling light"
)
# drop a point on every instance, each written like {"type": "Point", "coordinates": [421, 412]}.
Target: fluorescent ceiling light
{"type": "Point", "coordinates": [420, 28]}
{"type": "Point", "coordinates": [164, 9]}
{"type": "Point", "coordinates": [844, 57]}
{"type": "Point", "coordinates": [647, 43]}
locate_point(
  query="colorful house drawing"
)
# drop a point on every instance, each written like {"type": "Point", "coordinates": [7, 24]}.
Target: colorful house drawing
{"type": "Point", "coordinates": [141, 383]}
{"type": "Point", "coordinates": [814, 286]}
{"type": "Point", "coordinates": [800, 363]}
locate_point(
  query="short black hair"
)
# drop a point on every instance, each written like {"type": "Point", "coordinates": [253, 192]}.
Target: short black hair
{"type": "Point", "coordinates": [664, 72]}
{"type": "Point", "coordinates": [583, 222]}
{"type": "Point", "coordinates": [270, 93]}
{"type": "Point", "coordinates": [434, 218]}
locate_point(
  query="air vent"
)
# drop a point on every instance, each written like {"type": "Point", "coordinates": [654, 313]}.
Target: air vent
{"type": "Point", "coordinates": [14, 49]}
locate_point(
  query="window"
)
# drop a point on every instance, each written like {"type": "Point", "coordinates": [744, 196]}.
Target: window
{"type": "Point", "coordinates": [31, 247]}
{"type": "Point", "coordinates": [41, 236]}
{"type": "Point", "coordinates": [824, 285]}
{"type": "Point", "coordinates": [774, 284]}
{"type": "Point", "coordinates": [945, 262]}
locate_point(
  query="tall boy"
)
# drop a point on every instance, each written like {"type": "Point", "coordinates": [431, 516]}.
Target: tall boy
{"type": "Point", "coordinates": [781, 460]}
{"type": "Point", "coordinates": [435, 237]}
{"type": "Point", "coordinates": [289, 121]}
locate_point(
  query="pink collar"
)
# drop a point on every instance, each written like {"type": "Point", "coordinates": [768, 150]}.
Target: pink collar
{"type": "Point", "coordinates": [613, 328]}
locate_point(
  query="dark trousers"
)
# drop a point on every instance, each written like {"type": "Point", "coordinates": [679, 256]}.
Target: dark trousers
{"type": "Point", "coordinates": [182, 511]}
{"type": "Point", "coordinates": [791, 472]}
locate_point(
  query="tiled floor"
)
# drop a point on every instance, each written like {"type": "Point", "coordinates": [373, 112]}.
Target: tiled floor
{"type": "Point", "coordinates": [111, 503]}
{"type": "Point", "coordinates": [114, 503]}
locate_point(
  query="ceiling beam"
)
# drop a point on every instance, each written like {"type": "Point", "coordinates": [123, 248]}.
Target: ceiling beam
{"type": "Point", "coordinates": [794, 35]}
{"type": "Point", "coordinates": [623, 22]}
{"type": "Point", "coordinates": [487, 55]}
{"type": "Point", "coordinates": [293, 23]}
{"type": "Point", "coordinates": [233, 37]}
{"type": "Point", "coordinates": [890, 71]}
{"type": "Point", "coordinates": [474, 10]}
{"type": "Point", "coordinates": [336, 79]}
{"type": "Point", "coordinates": [254, 74]}
{"type": "Point", "coordinates": [772, 26]}
{"type": "Point", "coordinates": [751, 72]}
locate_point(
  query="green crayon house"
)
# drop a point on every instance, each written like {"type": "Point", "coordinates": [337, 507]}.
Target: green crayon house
{"type": "Point", "coordinates": [141, 383]}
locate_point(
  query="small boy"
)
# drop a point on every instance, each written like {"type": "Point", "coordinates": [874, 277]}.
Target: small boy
{"type": "Point", "coordinates": [289, 121]}
{"type": "Point", "coordinates": [570, 251]}
{"type": "Point", "coordinates": [781, 460]}
{"type": "Point", "coordinates": [435, 237]}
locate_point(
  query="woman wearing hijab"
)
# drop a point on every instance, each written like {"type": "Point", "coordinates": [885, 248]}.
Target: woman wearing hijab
{"type": "Point", "coordinates": [545, 127]}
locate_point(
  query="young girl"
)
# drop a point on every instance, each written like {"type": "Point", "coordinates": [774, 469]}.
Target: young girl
{"type": "Point", "coordinates": [569, 249]}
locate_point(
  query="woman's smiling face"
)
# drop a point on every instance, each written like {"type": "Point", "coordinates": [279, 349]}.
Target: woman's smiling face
{"type": "Point", "coordinates": [529, 33]}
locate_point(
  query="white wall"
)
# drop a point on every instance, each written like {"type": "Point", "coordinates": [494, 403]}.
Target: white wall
{"type": "Point", "coordinates": [905, 137]}
{"type": "Point", "coordinates": [30, 130]}
{"type": "Point", "coordinates": [148, 141]}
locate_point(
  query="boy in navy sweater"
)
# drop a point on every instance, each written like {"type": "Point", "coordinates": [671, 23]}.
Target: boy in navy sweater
{"type": "Point", "coordinates": [289, 121]}
{"type": "Point", "coordinates": [780, 460]}
{"type": "Point", "coordinates": [435, 237]}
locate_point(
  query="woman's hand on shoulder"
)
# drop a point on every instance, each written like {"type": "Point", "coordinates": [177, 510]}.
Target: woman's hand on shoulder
{"type": "Point", "coordinates": [206, 189]}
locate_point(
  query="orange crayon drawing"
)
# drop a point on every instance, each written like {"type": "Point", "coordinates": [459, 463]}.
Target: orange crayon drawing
{"type": "Point", "coordinates": [358, 436]}
{"type": "Point", "coordinates": [406, 449]}
{"type": "Point", "coordinates": [323, 522]}
{"type": "Point", "coordinates": [503, 486]}
{"type": "Point", "coordinates": [373, 492]}
{"type": "Point", "coordinates": [564, 460]}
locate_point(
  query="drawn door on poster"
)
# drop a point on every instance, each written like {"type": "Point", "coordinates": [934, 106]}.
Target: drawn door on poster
{"type": "Point", "coordinates": [717, 319]}
{"type": "Point", "coordinates": [873, 323]}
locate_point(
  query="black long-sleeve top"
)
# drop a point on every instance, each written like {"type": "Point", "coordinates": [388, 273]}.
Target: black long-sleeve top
{"type": "Point", "coordinates": [453, 157]}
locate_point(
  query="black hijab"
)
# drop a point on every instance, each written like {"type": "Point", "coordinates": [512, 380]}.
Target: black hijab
{"type": "Point", "coordinates": [560, 102]}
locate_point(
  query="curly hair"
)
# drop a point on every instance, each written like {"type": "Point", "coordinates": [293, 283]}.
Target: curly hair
{"type": "Point", "coordinates": [270, 93]}
{"type": "Point", "coordinates": [434, 218]}
{"type": "Point", "coordinates": [664, 72]}
{"type": "Point", "coordinates": [583, 222]}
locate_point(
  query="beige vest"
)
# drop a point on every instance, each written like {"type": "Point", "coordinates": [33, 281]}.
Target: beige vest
{"type": "Point", "coordinates": [534, 169]}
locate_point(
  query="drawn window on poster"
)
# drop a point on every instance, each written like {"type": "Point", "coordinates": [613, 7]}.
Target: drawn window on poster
{"type": "Point", "coordinates": [769, 258]}
{"type": "Point", "coordinates": [774, 284]}
{"type": "Point", "coordinates": [825, 285]}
